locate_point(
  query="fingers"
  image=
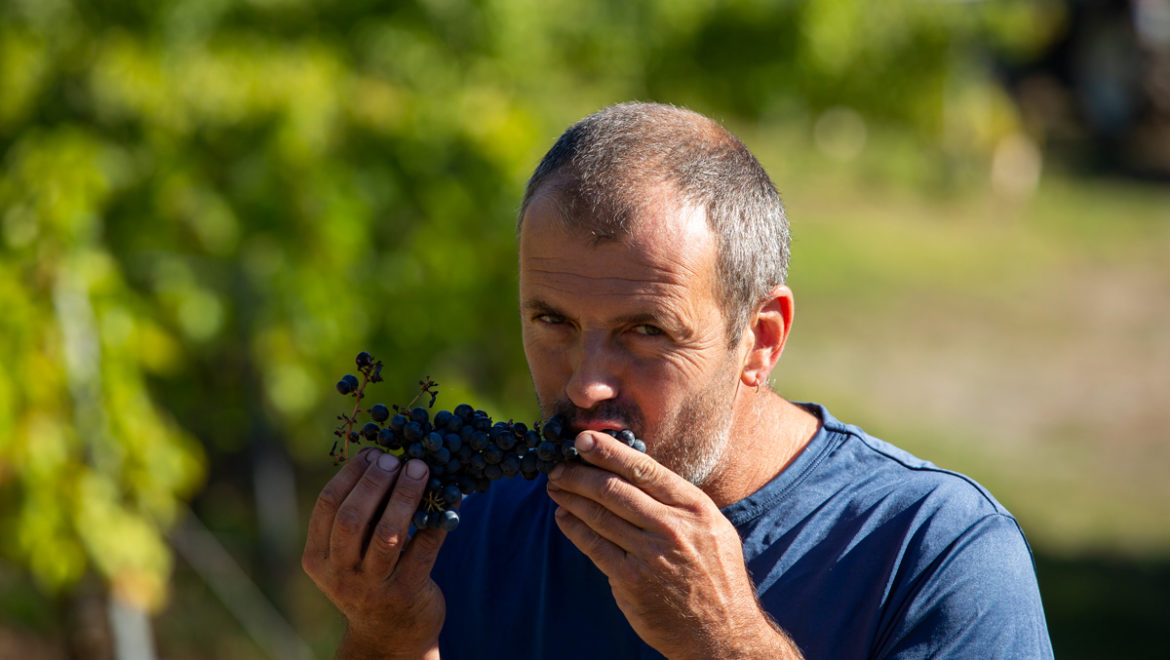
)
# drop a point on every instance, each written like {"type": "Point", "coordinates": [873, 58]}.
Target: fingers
{"type": "Point", "coordinates": [414, 570]}
{"type": "Point", "coordinates": [605, 554]}
{"type": "Point", "coordinates": [325, 510]}
{"type": "Point", "coordinates": [615, 528]}
{"type": "Point", "coordinates": [647, 474]}
{"type": "Point", "coordinates": [355, 515]}
{"type": "Point", "coordinates": [392, 531]}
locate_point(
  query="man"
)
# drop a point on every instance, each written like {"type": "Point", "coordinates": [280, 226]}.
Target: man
{"type": "Point", "coordinates": [653, 253]}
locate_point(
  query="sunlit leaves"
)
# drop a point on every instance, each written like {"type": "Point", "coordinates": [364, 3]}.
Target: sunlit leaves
{"type": "Point", "coordinates": [205, 205]}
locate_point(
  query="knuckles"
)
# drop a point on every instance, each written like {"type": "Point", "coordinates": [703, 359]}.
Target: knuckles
{"type": "Point", "coordinates": [387, 538]}
{"type": "Point", "coordinates": [642, 472]}
{"type": "Point", "coordinates": [349, 521]}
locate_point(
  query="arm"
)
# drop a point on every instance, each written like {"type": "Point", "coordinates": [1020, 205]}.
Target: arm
{"type": "Point", "coordinates": [978, 597]}
{"type": "Point", "coordinates": [366, 563]}
{"type": "Point", "coordinates": [675, 563]}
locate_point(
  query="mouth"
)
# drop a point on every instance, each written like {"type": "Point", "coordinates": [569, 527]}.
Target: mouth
{"type": "Point", "coordinates": [608, 417]}
{"type": "Point", "coordinates": [599, 425]}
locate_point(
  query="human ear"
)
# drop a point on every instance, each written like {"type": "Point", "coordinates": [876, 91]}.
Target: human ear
{"type": "Point", "coordinates": [765, 336]}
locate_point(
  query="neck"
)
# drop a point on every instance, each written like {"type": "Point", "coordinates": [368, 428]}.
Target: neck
{"type": "Point", "coordinates": [767, 434]}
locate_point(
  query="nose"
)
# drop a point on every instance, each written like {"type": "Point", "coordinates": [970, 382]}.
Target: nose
{"type": "Point", "coordinates": [594, 376]}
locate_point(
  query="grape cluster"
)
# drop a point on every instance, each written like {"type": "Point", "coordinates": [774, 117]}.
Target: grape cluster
{"type": "Point", "coordinates": [465, 450]}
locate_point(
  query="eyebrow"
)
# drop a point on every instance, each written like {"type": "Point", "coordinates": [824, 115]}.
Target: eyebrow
{"type": "Point", "coordinates": [539, 306]}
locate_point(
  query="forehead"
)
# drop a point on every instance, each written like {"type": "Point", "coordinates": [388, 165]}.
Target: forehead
{"type": "Point", "coordinates": [670, 253]}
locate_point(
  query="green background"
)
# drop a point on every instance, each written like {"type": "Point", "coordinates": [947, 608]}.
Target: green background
{"type": "Point", "coordinates": [207, 207]}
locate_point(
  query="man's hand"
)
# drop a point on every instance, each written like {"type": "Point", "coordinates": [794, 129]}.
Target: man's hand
{"type": "Point", "coordinates": [366, 563]}
{"type": "Point", "coordinates": [674, 562]}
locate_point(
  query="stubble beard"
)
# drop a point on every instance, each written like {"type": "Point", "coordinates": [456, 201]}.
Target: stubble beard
{"type": "Point", "coordinates": [693, 442]}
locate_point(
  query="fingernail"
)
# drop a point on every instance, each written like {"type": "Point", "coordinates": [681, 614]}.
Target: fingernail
{"type": "Point", "coordinates": [556, 472]}
{"type": "Point", "coordinates": [585, 442]}
{"type": "Point", "coordinates": [416, 469]}
{"type": "Point", "coordinates": [366, 457]}
{"type": "Point", "coordinates": [388, 462]}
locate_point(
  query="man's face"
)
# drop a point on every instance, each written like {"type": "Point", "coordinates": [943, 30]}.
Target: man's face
{"type": "Point", "coordinates": [628, 333]}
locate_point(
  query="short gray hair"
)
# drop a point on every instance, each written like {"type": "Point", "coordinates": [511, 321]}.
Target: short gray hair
{"type": "Point", "coordinates": [602, 167]}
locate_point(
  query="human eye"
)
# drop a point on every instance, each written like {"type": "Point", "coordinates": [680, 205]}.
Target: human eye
{"type": "Point", "coordinates": [648, 330]}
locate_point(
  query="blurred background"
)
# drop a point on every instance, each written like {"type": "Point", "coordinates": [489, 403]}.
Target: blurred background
{"type": "Point", "coordinates": [208, 207]}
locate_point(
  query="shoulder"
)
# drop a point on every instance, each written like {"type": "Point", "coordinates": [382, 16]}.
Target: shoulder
{"type": "Point", "coordinates": [845, 475]}
{"type": "Point", "coordinates": [926, 552]}
{"type": "Point", "coordinates": [882, 473]}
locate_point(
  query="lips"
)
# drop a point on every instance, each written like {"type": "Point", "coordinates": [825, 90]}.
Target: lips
{"type": "Point", "coordinates": [599, 425]}
{"type": "Point", "coordinates": [606, 416]}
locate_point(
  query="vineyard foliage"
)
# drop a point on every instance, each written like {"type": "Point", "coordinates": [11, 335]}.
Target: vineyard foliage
{"type": "Point", "coordinates": [207, 205]}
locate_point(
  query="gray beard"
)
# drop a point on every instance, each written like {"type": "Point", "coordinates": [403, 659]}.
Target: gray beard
{"type": "Point", "coordinates": [695, 442]}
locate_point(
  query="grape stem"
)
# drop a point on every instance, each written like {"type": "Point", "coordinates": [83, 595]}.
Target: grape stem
{"type": "Point", "coordinates": [371, 373]}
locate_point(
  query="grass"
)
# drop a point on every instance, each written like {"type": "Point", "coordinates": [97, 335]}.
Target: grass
{"type": "Point", "coordinates": [1021, 341]}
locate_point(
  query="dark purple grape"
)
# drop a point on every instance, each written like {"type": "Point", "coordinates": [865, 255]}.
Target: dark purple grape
{"type": "Point", "coordinates": [532, 439]}
{"type": "Point", "coordinates": [626, 436]}
{"type": "Point", "coordinates": [477, 463]}
{"type": "Point", "coordinates": [419, 414]}
{"type": "Point", "coordinates": [347, 384]}
{"type": "Point", "coordinates": [548, 451]}
{"type": "Point", "coordinates": [388, 439]}
{"type": "Point", "coordinates": [441, 456]}
{"type": "Point", "coordinates": [364, 360]}
{"type": "Point", "coordinates": [504, 439]}
{"type": "Point", "coordinates": [453, 442]}
{"type": "Point", "coordinates": [370, 431]}
{"type": "Point", "coordinates": [415, 450]}
{"type": "Point", "coordinates": [443, 418]}
{"type": "Point", "coordinates": [493, 471]}
{"type": "Point", "coordinates": [480, 441]}
{"type": "Point", "coordinates": [413, 432]}
{"type": "Point", "coordinates": [448, 520]}
{"type": "Point", "coordinates": [421, 519]}
{"type": "Point", "coordinates": [492, 455]}
{"type": "Point", "coordinates": [452, 494]}
{"type": "Point", "coordinates": [481, 423]}
{"type": "Point", "coordinates": [639, 446]}
{"type": "Point", "coordinates": [432, 442]}
{"type": "Point", "coordinates": [510, 466]}
{"type": "Point", "coordinates": [464, 411]}
{"type": "Point", "coordinates": [379, 412]}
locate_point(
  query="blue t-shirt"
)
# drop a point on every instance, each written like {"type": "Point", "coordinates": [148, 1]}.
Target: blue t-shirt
{"type": "Point", "coordinates": [858, 550]}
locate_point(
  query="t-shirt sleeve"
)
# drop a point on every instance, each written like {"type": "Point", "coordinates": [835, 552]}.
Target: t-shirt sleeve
{"type": "Point", "coordinates": [976, 598]}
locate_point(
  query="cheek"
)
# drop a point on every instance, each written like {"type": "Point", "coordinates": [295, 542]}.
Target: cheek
{"type": "Point", "coordinates": [549, 366]}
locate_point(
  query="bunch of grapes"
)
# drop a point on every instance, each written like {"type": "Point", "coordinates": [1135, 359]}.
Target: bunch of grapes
{"type": "Point", "coordinates": [465, 450]}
